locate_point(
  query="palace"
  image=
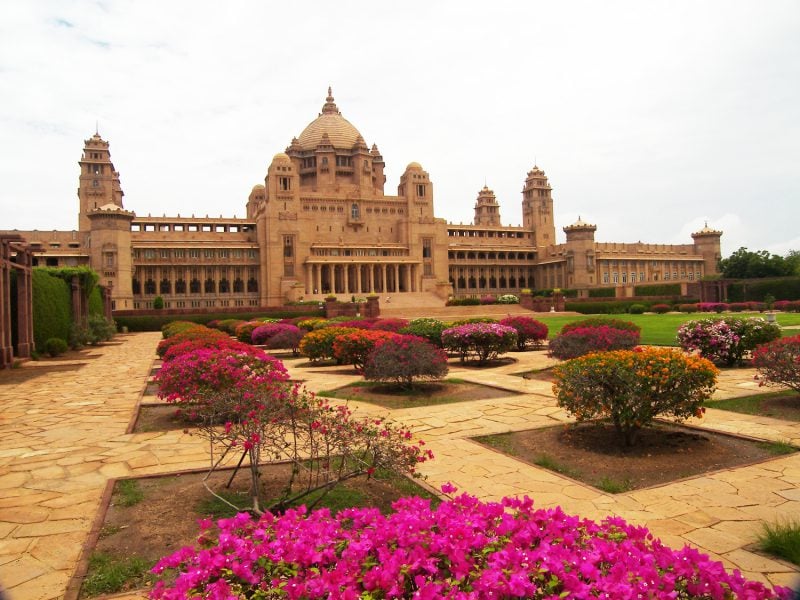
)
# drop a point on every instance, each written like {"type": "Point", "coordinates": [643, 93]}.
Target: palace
{"type": "Point", "coordinates": [322, 224]}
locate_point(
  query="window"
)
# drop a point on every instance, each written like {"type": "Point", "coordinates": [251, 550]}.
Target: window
{"type": "Point", "coordinates": [177, 253]}
{"type": "Point", "coordinates": [616, 277]}
{"type": "Point", "coordinates": [288, 246]}
{"type": "Point", "coordinates": [194, 253]}
{"type": "Point", "coordinates": [149, 254]}
{"type": "Point", "coordinates": [285, 183]}
{"type": "Point", "coordinates": [164, 253]}
{"type": "Point", "coordinates": [641, 275]}
{"type": "Point", "coordinates": [426, 248]}
{"type": "Point", "coordinates": [420, 190]}
{"type": "Point", "coordinates": [666, 275]}
{"type": "Point", "coordinates": [624, 277]}
{"type": "Point", "coordinates": [355, 213]}
{"type": "Point", "coordinates": [605, 278]}
{"type": "Point", "coordinates": [109, 259]}
{"type": "Point", "coordinates": [633, 276]}
{"type": "Point", "coordinates": [223, 254]}
{"type": "Point", "coordinates": [208, 254]}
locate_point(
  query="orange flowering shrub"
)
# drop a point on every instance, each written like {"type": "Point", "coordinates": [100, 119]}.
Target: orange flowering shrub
{"type": "Point", "coordinates": [633, 387]}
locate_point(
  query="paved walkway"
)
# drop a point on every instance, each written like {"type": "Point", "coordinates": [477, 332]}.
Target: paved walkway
{"type": "Point", "coordinates": [62, 436]}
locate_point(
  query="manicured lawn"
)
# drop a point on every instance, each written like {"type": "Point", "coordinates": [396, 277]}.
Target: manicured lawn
{"type": "Point", "coordinates": [660, 330]}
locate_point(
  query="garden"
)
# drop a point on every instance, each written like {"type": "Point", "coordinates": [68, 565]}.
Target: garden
{"type": "Point", "coordinates": [305, 498]}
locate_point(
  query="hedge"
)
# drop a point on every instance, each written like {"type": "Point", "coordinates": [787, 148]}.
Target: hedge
{"type": "Point", "coordinates": [662, 289]}
{"type": "Point", "coordinates": [602, 293]}
{"type": "Point", "coordinates": [784, 288]}
{"type": "Point", "coordinates": [614, 307]}
{"type": "Point", "coordinates": [156, 322]}
{"type": "Point", "coordinates": [96, 302]}
{"type": "Point", "coordinates": [52, 307]}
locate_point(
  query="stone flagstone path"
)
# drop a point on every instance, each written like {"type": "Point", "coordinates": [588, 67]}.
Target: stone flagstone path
{"type": "Point", "coordinates": [62, 437]}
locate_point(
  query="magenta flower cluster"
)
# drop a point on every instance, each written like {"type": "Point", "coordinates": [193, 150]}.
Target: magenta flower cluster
{"type": "Point", "coordinates": [464, 549]}
{"type": "Point", "coordinates": [479, 341]}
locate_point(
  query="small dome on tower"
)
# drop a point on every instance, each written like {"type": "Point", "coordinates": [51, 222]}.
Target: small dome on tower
{"type": "Point", "coordinates": [414, 166]}
{"type": "Point", "coordinates": [258, 187]}
{"type": "Point", "coordinates": [280, 157]}
{"type": "Point", "coordinates": [340, 132]}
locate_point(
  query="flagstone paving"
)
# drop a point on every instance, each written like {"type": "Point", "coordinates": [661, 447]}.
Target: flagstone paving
{"type": "Point", "coordinates": [63, 436]}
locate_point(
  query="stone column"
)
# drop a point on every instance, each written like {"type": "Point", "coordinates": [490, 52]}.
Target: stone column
{"type": "Point", "coordinates": [6, 350]}
{"type": "Point", "coordinates": [309, 278]}
{"type": "Point", "coordinates": [383, 278]}
{"type": "Point", "coordinates": [346, 278]}
{"type": "Point", "coordinates": [359, 288]}
{"type": "Point", "coordinates": [318, 273]}
{"type": "Point", "coordinates": [24, 308]}
{"type": "Point", "coordinates": [408, 278]}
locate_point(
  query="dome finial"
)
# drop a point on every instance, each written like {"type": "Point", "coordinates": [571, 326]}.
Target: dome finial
{"type": "Point", "coordinates": [329, 108]}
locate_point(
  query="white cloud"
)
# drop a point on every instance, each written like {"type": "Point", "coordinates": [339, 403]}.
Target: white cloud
{"type": "Point", "coordinates": [646, 116]}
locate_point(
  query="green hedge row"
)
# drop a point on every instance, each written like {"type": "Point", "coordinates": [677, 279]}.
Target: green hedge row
{"type": "Point", "coordinates": [52, 312]}
{"type": "Point", "coordinates": [156, 322]}
{"type": "Point", "coordinates": [662, 289]}
{"type": "Point", "coordinates": [754, 290]}
{"type": "Point", "coordinates": [95, 302]}
{"type": "Point", "coordinates": [602, 293]}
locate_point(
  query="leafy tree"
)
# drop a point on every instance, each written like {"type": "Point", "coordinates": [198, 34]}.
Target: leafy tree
{"type": "Point", "coordinates": [745, 264]}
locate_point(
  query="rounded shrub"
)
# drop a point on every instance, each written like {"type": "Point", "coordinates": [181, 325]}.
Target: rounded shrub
{"type": "Point", "coordinates": [318, 344]}
{"type": "Point", "coordinates": [778, 362]}
{"type": "Point", "coordinates": [404, 359]}
{"type": "Point", "coordinates": [637, 309]}
{"type": "Point", "coordinates": [196, 343]}
{"type": "Point", "coordinates": [287, 338]}
{"type": "Point", "coordinates": [479, 341]}
{"type": "Point", "coordinates": [229, 325]}
{"type": "Point", "coordinates": [55, 346]}
{"type": "Point", "coordinates": [726, 340]}
{"type": "Point", "coordinates": [353, 348]}
{"type": "Point", "coordinates": [197, 332]}
{"type": "Point", "coordinates": [175, 327]}
{"type": "Point", "coordinates": [393, 324]}
{"type": "Point", "coordinates": [529, 331]}
{"type": "Point", "coordinates": [508, 299]}
{"type": "Point", "coordinates": [688, 308]}
{"type": "Point", "coordinates": [579, 341]}
{"type": "Point", "coordinates": [426, 327]}
{"type": "Point", "coordinates": [600, 322]}
{"type": "Point", "coordinates": [660, 309]}
{"type": "Point", "coordinates": [633, 387]}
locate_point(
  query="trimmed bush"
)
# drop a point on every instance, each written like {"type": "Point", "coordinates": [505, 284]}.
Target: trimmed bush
{"type": "Point", "coordinates": [176, 327]}
{"type": "Point", "coordinates": [600, 322]}
{"type": "Point", "coordinates": [716, 307]}
{"type": "Point", "coordinates": [473, 320]}
{"type": "Point", "coordinates": [787, 305]}
{"type": "Point", "coordinates": [155, 321]}
{"type": "Point", "coordinates": [55, 346]}
{"type": "Point", "coordinates": [394, 325]}
{"type": "Point", "coordinates": [100, 329]}
{"type": "Point", "coordinates": [479, 341]}
{"type": "Point", "coordinates": [318, 344]}
{"type": "Point", "coordinates": [661, 289]}
{"type": "Point", "coordinates": [229, 325]}
{"type": "Point", "coordinates": [463, 302]}
{"type": "Point", "coordinates": [637, 309]}
{"type": "Point", "coordinates": [726, 340]}
{"type": "Point", "coordinates": [633, 387]}
{"type": "Point", "coordinates": [786, 288]}
{"type": "Point", "coordinates": [508, 299]}
{"type": "Point", "coordinates": [310, 324]}
{"type": "Point", "coordinates": [426, 327]}
{"type": "Point", "coordinates": [52, 312]}
{"type": "Point", "coordinates": [404, 359]}
{"type": "Point", "coordinates": [158, 303]}
{"type": "Point", "coordinates": [353, 348]}
{"type": "Point", "coordinates": [463, 548]}
{"type": "Point", "coordinates": [529, 331]}
{"type": "Point", "coordinates": [198, 332]}
{"type": "Point", "coordinates": [660, 309]}
{"type": "Point", "coordinates": [244, 331]}
{"type": "Point", "coordinates": [288, 338]}
{"type": "Point", "coordinates": [778, 362]}
{"type": "Point", "coordinates": [688, 308]}
{"type": "Point", "coordinates": [584, 340]}
{"type": "Point", "coordinates": [602, 293]}
{"type": "Point", "coordinates": [176, 349]}
{"type": "Point", "coordinates": [95, 302]}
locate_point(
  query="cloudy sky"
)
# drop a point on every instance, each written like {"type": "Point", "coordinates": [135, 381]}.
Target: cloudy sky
{"type": "Point", "coordinates": [648, 117]}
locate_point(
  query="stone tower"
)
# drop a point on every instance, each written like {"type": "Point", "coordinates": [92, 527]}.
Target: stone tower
{"type": "Point", "coordinates": [487, 210]}
{"type": "Point", "coordinates": [580, 254]}
{"type": "Point", "coordinates": [537, 208]}
{"type": "Point", "coordinates": [707, 244]}
{"type": "Point", "coordinates": [98, 184]}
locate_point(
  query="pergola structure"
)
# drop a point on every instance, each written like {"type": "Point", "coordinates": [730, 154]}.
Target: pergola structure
{"type": "Point", "coordinates": [15, 257]}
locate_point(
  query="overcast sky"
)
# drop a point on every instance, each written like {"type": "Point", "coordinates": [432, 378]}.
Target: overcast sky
{"type": "Point", "coordinates": [649, 118]}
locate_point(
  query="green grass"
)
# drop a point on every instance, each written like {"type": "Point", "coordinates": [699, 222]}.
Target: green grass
{"type": "Point", "coordinates": [782, 540]}
{"type": "Point", "coordinates": [548, 462]}
{"type": "Point", "coordinates": [109, 574]}
{"type": "Point", "coordinates": [612, 486]}
{"type": "Point", "coordinates": [778, 448]}
{"type": "Point", "coordinates": [660, 330]}
{"type": "Point", "coordinates": [748, 405]}
{"type": "Point", "coordinates": [128, 493]}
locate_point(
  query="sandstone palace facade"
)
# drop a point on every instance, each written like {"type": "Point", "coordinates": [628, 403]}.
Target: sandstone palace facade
{"type": "Point", "coordinates": [322, 223]}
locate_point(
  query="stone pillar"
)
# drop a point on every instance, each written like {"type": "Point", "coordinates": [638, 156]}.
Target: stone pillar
{"type": "Point", "coordinates": [6, 349]}
{"type": "Point", "coordinates": [24, 307]}
{"type": "Point", "coordinates": [106, 292]}
{"type": "Point", "coordinates": [346, 278]}
{"type": "Point", "coordinates": [318, 273]}
{"type": "Point", "coordinates": [372, 309]}
{"type": "Point", "coordinates": [408, 278]}
{"type": "Point", "coordinates": [309, 278]}
{"type": "Point", "coordinates": [359, 287]}
{"type": "Point", "coordinates": [383, 278]}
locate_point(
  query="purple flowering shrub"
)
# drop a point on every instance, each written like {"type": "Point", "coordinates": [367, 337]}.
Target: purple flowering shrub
{"type": "Point", "coordinates": [529, 331]}
{"type": "Point", "coordinates": [404, 359]}
{"type": "Point", "coordinates": [726, 340]}
{"type": "Point", "coordinates": [390, 324]}
{"type": "Point", "coordinates": [264, 416]}
{"type": "Point", "coordinates": [479, 341]}
{"type": "Point", "coordinates": [579, 341]}
{"type": "Point", "coordinates": [276, 336]}
{"type": "Point", "coordinates": [464, 549]}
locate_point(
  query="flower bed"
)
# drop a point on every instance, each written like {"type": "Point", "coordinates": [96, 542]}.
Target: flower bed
{"type": "Point", "coordinates": [462, 549]}
{"type": "Point", "coordinates": [479, 341]}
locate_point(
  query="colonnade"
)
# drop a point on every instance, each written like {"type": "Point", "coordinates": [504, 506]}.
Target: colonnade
{"type": "Point", "coordinates": [360, 278]}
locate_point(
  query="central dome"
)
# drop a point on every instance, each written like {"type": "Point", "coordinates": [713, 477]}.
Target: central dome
{"type": "Point", "coordinates": [341, 132]}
